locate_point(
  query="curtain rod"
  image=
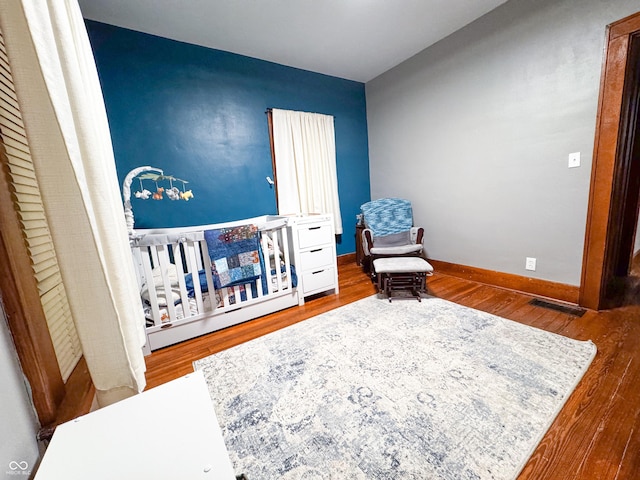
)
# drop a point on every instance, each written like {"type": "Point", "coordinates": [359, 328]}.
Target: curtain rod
{"type": "Point", "coordinates": [270, 110]}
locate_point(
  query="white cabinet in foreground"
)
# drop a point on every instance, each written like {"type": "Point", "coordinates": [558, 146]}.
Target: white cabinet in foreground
{"type": "Point", "coordinates": [166, 433]}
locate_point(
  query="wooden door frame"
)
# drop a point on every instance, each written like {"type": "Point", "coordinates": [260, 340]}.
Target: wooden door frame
{"type": "Point", "coordinates": [608, 199]}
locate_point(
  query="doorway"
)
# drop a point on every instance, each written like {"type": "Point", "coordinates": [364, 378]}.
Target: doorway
{"type": "Point", "coordinates": [622, 285]}
{"type": "Point", "coordinates": [612, 217]}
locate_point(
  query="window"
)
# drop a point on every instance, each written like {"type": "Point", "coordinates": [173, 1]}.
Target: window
{"type": "Point", "coordinates": [304, 163]}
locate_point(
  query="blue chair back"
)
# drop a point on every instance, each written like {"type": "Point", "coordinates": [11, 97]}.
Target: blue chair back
{"type": "Point", "coordinates": [387, 216]}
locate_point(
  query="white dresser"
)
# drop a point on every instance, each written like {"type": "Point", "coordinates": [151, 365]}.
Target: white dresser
{"type": "Point", "coordinates": [313, 248]}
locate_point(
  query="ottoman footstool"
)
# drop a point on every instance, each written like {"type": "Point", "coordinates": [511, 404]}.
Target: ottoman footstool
{"type": "Point", "coordinates": [405, 274]}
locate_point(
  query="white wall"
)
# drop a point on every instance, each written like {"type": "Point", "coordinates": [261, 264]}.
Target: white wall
{"type": "Point", "coordinates": [476, 131]}
{"type": "Point", "coordinates": [18, 423]}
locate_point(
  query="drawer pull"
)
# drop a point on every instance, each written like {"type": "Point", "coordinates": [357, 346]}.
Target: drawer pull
{"type": "Point", "coordinates": [319, 271]}
{"type": "Point", "coordinates": [314, 228]}
{"type": "Point", "coordinates": [316, 250]}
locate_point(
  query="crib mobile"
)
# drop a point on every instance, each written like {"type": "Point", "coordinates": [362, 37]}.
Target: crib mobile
{"type": "Point", "coordinates": [155, 175]}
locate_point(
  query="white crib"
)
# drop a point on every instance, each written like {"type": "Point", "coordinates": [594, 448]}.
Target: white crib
{"type": "Point", "coordinates": [177, 287]}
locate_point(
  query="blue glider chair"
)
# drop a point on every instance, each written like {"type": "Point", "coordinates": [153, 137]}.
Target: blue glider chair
{"type": "Point", "coordinates": [389, 230]}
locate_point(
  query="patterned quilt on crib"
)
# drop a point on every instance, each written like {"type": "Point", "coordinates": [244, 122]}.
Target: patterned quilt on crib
{"type": "Point", "coordinates": [235, 254]}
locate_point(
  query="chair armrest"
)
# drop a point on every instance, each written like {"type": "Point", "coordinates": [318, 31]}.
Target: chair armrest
{"type": "Point", "coordinates": [367, 242]}
{"type": "Point", "coordinates": [417, 234]}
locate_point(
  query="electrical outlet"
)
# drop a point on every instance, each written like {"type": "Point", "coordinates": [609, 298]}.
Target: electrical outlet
{"type": "Point", "coordinates": [530, 264]}
{"type": "Point", "coordinates": [574, 159]}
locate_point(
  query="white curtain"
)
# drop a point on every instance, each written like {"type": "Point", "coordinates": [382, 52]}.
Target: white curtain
{"type": "Point", "coordinates": [305, 153]}
{"type": "Point", "coordinates": [66, 124]}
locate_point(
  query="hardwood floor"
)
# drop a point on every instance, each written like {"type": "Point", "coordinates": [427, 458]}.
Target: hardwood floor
{"type": "Point", "coordinates": [596, 435]}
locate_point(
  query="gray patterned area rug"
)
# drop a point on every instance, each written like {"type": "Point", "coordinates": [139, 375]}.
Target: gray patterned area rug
{"type": "Point", "coordinates": [402, 390]}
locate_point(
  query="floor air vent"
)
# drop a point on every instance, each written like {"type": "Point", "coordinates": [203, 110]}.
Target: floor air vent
{"type": "Point", "coordinates": [558, 307]}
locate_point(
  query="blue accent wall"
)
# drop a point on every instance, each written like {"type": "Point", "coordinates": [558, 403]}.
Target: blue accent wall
{"type": "Point", "coordinates": [199, 114]}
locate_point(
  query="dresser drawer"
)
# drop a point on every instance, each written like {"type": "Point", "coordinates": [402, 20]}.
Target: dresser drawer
{"type": "Point", "coordinates": [314, 235]}
{"type": "Point", "coordinates": [316, 258]}
{"type": "Point", "coordinates": [318, 280]}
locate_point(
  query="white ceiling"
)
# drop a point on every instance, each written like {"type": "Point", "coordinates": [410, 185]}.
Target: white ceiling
{"type": "Point", "coordinates": [352, 39]}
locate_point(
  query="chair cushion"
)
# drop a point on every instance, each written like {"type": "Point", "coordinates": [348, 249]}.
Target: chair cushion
{"type": "Point", "coordinates": [401, 250]}
{"type": "Point", "coordinates": [402, 265]}
{"type": "Point", "coordinates": [393, 240]}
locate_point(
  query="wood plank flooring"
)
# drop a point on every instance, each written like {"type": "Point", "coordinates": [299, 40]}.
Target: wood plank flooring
{"type": "Point", "coordinates": [596, 435]}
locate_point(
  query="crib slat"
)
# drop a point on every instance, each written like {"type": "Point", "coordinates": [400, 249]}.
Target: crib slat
{"type": "Point", "coordinates": [276, 262]}
{"type": "Point", "coordinates": [154, 257]}
{"type": "Point", "coordinates": [184, 296]}
{"type": "Point", "coordinates": [224, 293]}
{"type": "Point", "coordinates": [259, 290]}
{"type": "Point", "coordinates": [148, 274]}
{"type": "Point", "coordinates": [199, 257]}
{"type": "Point", "coordinates": [287, 257]}
{"type": "Point", "coordinates": [192, 265]}
{"type": "Point", "coordinates": [237, 294]}
{"type": "Point", "coordinates": [138, 266]}
{"type": "Point", "coordinates": [165, 265]}
{"type": "Point", "coordinates": [264, 239]}
{"type": "Point", "coordinates": [204, 254]}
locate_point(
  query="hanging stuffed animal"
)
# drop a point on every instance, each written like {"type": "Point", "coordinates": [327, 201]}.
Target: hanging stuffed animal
{"type": "Point", "coordinates": [158, 194]}
{"type": "Point", "coordinates": [143, 195]}
{"type": "Point", "coordinates": [186, 195]}
{"type": "Point", "coordinates": [173, 193]}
